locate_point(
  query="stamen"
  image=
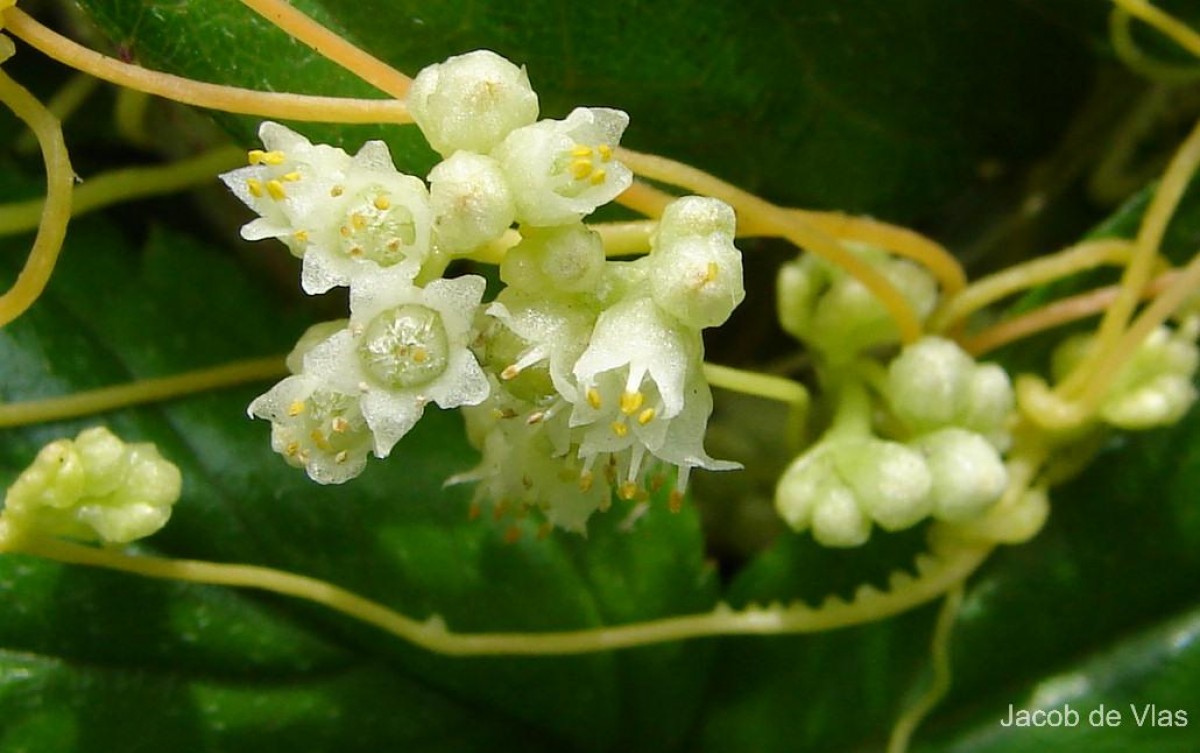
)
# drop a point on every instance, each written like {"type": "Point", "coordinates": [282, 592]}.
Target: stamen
{"type": "Point", "coordinates": [710, 273]}
{"type": "Point", "coordinates": [631, 401]}
{"type": "Point", "coordinates": [301, 235]}
{"type": "Point", "coordinates": [535, 418]}
{"type": "Point", "coordinates": [291, 177]}
{"type": "Point", "coordinates": [646, 416]}
{"type": "Point", "coordinates": [339, 425]}
{"type": "Point", "coordinates": [598, 177]}
{"type": "Point", "coordinates": [581, 168]}
{"type": "Point", "coordinates": [341, 457]}
{"type": "Point", "coordinates": [254, 186]}
{"type": "Point", "coordinates": [628, 490]}
{"type": "Point", "coordinates": [605, 151]}
{"type": "Point", "coordinates": [358, 221]}
{"type": "Point", "coordinates": [675, 501]}
{"type": "Point", "coordinates": [382, 203]}
{"type": "Point", "coordinates": [275, 188]}
{"type": "Point", "coordinates": [296, 408]}
{"type": "Point", "coordinates": [585, 481]}
{"type": "Point", "coordinates": [510, 372]}
{"type": "Point", "coordinates": [581, 151]}
{"type": "Point", "coordinates": [620, 428]}
{"type": "Point", "coordinates": [337, 191]}
{"type": "Point", "coordinates": [593, 398]}
{"type": "Point", "coordinates": [292, 449]}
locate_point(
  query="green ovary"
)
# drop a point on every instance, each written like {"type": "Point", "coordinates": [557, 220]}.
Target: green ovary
{"type": "Point", "coordinates": [405, 347]}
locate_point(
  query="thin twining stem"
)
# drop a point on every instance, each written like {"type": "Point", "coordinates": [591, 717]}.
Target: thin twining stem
{"type": "Point", "coordinates": [1154, 225]}
{"type": "Point", "coordinates": [1120, 34]}
{"type": "Point", "coordinates": [62, 105]}
{"type": "Point", "coordinates": [104, 399]}
{"type": "Point", "coordinates": [908, 722]}
{"type": "Point", "coordinates": [758, 216]}
{"type": "Point", "coordinates": [212, 96]}
{"type": "Point", "coordinates": [952, 569]}
{"type": "Point", "coordinates": [126, 184]}
{"type": "Point", "coordinates": [754, 383]}
{"type": "Point", "coordinates": [1176, 30]}
{"type": "Point", "coordinates": [52, 227]}
{"type": "Point", "coordinates": [1055, 314]}
{"type": "Point", "coordinates": [332, 46]}
{"type": "Point", "coordinates": [898, 240]}
{"type": "Point", "coordinates": [988, 290]}
{"type": "Point", "coordinates": [1184, 285]}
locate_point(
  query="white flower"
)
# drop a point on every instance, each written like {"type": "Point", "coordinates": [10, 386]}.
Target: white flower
{"type": "Point", "coordinates": [93, 488]}
{"type": "Point", "coordinates": [551, 262]}
{"type": "Point", "coordinates": [315, 428]}
{"type": "Point", "coordinates": [886, 481]}
{"type": "Point", "coordinates": [404, 348]}
{"type": "Point", "coordinates": [344, 216]}
{"type": "Point", "coordinates": [638, 376]}
{"type": "Point", "coordinates": [471, 102]}
{"type": "Point", "coordinates": [934, 384]}
{"type": "Point", "coordinates": [472, 204]}
{"type": "Point", "coordinates": [695, 271]}
{"type": "Point", "coordinates": [561, 170]}
{"type": "Point", "coordinates": [548, 333]}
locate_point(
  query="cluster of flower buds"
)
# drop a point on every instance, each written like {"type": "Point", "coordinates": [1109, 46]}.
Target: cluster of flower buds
{"type": "Point", "coordinates": [929, 444]}
{"type": "Point", "coordinates": [92, 488]}
{"type": "Point", "coordinates": [574, 378]}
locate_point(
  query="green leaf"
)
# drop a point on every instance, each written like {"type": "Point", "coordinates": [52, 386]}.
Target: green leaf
{"type": "Point", "coordinates": [394, 535]}
{"type": "Point", "coordinates": [886, 108]}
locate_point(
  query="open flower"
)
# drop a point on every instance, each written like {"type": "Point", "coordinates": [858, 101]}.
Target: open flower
{"type": "Point", "coordinates": [405, 347]}
{"type": "Point", "coordinates": [561, 170]}
{"type": "Point", "coordinates": [344, 216]}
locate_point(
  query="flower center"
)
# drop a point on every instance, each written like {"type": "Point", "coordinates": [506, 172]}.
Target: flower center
{"type": "Point", "coordinates": [405, 347]}
{"type": "Point", "coordinates": [378, 228]}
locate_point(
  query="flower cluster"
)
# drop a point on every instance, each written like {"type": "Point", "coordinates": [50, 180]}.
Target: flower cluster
{"type": "Point", "coordinates": [92, 488]}
{"type": "Point", "coordinates": [573, 379]}
{"type": "Point", "coordinates": [930, 446]}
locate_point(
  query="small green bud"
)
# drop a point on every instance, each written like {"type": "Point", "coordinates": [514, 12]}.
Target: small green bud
{"type": "Point", "coordinates": [695, 271]}
{"type": "Point", "coordinates": [93, 488]}
{"type": "Point", "coordinates": [471, 202]}
{"type": "Point", "coordinates": [967, 472]}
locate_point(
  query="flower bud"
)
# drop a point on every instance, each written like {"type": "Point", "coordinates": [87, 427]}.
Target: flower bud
{"type": "Point", "coordinates": [968, 474]}
{"type": "Point", "coordinates": [471, 202]}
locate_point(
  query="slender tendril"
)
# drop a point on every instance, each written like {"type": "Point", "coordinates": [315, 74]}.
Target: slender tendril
{"type": "Point", "coordinates": [52, 227]}
{"type": "Point", "coordinates": [762, 217]}
{"type": "Point", "coordinates": [869, 605]}
{"type": "Point", "coordinates": [62, 105]}
{"type": "Point", "coordinates": [212, 96]}
{"type": "Point", "coordinates": [332, 46]}
{"type": "Point", "coordinates": [908, 722]}
{"type": "Point", "coordinates": [1176, 30]}
{"type": "Point", "coordinates": [126, 184]}
{"type": "Point", "coordinates": [88, 402]}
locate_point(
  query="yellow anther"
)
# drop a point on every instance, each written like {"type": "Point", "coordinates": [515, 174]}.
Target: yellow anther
{"type": "Point", "coordinates": [631, 401]}
{"type": "Point", "coordinates": [420, 355]}
{"type": "Point", "coordinates": [318, 438]}
{"type": "Point", "coordinates": [628, 490]}
{"type": "Point", "coordinates": [710, 272]}
{"type": "Point", "coordinates": [275, 188]}
{"type": "Point", "coordinates": [382, 203]}
{"type": "Point", "coordinates": [598, 177]}
{"type": "Point", "coordinates": [296, 408]}
{"type": "Point", "coordinates": [356, 251]}
{"type": "Point", "coordinates": [255, 156]}
{"type": "Point", "coordinates": [337, 191]}
{"type": "Point", "coordinates": [344, 230]}
{"type": "Point", "coordinates": [593, 397]}
{"type": "Point", "coordinates": [581, 151]}
{"type": "Point", "coordinates": [292, 449]}
{"type": "Point", "coordinates": [620, 428]}
{"type": "Point", "coordinates": [273, 158]}
{"type": "Point", "coordinates": [393, 244]}
{"type": "Point", "coordinates": [291, 177]}
{"type": "Point", "coordinates": [605, 152]}
{"type": "Point", "coordinates": [675, 500]}
{"type": "Point", "coordinates": [341, 457]}
{"type": "Point", "coordinates": [585, 481]}
{"type": "Point", "coordinates": [646, 416]}
{"type": "Point", "coordinates": [358, 221]}
{"type": "Point", "coordinates": [581, 168]}
{"type": "Point", "coordinates": [254, 186]}
{"type": "Point", "coordinates": [535, 418]}
{"type": "Point", "coordinates": [510, 372]}
{"type": "Point", "coordinates": [339, 425]}
{"type": "Point", "coordinates": [301, 235]}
